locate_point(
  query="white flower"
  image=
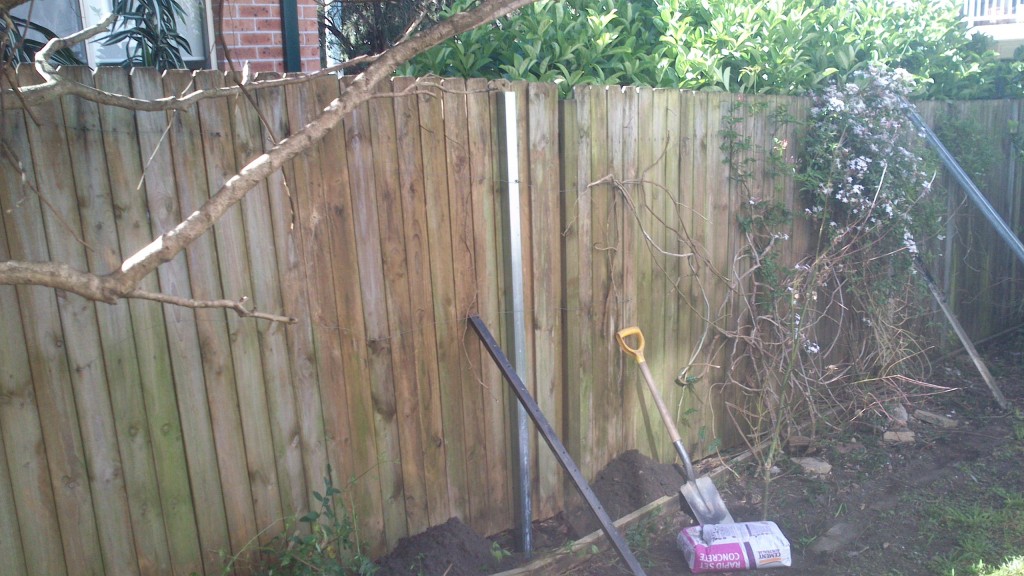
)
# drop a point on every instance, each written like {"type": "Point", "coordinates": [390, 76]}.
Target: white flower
{"type": "Point", "coordinates": [908, 241]}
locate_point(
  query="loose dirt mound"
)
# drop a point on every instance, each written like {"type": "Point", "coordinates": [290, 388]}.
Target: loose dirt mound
{"type": "Point", "coordinates": [452, 549]}
{"type": "Point", "coordinates": [627, 483]}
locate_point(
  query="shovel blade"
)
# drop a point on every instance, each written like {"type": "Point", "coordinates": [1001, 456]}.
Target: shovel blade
{"type": "Point", "coordinates": [706, 504]}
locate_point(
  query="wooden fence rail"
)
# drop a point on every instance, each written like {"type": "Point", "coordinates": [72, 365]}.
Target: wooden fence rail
{"type": "Point", "coordinates": [143, 438]}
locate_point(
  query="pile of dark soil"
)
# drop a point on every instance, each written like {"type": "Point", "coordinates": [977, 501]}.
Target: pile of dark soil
{"type": "Point", "coordinates": [452, 549]}
{"type": "Point", "coordinates": [627, 483]}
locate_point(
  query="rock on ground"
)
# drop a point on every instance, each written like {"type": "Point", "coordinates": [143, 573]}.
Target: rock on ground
{"type": "Point", "coordinates": [935, 419]}
{"type": "Point", "coordinates": [813, 465]}
{"type": "Point", "coordinates": [899, 436]}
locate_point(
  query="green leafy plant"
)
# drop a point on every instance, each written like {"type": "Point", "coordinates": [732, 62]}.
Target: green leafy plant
{"type": "Point", "coordinates": [498, 552]}
{"type": "Point", "coordinates": [149, 29]}
{"type": "Point", "coordinates": [321, 542]}
{"type": "Point", "coordinates": [17, 45]}
{"type": "Point", "coordinates": [641, 537]}
{"type": "Point", "coordinates": [766, 46]}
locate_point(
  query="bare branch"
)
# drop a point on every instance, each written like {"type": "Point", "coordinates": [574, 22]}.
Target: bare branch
{"type": "Point", "coordinates": [237, 306]}
{"type": "Point", "coordinates": [42, 59]}
{"type": "Point", "coordinates": [103, 289]}
{"type": "Point", "coordinates": [123, 282]}
{"type": "Point", "coordinates": [5, 151]}
{"type": "Point", "coordinates": [36, 94]}
{"type": "Point", "coordinates": [60, 276]}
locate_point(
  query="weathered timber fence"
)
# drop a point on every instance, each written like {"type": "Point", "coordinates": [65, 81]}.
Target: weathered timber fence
{"type": "Point", "coordinates": [142, 438]}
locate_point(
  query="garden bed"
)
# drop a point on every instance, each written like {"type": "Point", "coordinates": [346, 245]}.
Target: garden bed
{"type": "Point", "coordinates": [952, 498]}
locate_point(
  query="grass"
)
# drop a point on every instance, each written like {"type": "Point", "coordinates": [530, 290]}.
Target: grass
{"type": "Point", "coordinates": [1012, 567]}
{"type": "Point", "coordinates": [985, 527]}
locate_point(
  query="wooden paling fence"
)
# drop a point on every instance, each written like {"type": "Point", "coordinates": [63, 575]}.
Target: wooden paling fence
{"type": "Point", "coordinates": [143, 438]}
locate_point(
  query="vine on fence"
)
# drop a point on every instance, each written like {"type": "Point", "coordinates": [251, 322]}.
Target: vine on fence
{"type": "Point", "coordinates": [831, 335]}
{"type": "Point", "coordinates": [834, 332]}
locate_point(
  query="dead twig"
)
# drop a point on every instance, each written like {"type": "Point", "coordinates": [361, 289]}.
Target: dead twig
{"type": "Point", "coordinates": [238, 306]}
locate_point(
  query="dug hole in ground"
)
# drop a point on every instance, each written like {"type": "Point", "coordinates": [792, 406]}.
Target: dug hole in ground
{"type": "Point", "coordinates": [934, 496]}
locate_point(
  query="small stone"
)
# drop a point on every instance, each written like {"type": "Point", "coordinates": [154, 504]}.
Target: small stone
{"type": "Point", "coordinates": [837, 536]}
{"type": "Point", "coordinates": [799, 445]}
{"type": "Point", "coordinates": [813, 465]}
{"type": "Point", "coordinates": [935, 419]}
{"type": "Point", "coordinates": [899, 436]}
{"type": "Point", "coordinates": [847, 447]}
{"type": "Point", "coordinates": [898, 415]}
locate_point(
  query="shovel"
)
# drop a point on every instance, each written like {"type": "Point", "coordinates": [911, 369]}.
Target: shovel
{"type": "Point", "coordinates": [700, 493]}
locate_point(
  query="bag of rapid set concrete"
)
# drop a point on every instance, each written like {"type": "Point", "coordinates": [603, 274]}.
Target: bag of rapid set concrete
{"type": "Point", "coordinates": [741, 546]}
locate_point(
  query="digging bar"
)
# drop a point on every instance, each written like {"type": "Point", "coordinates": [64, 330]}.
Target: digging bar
{"type": "Point", "coordinates": [555, 444]}
{"type": "Point", "coordinates": [940, 298]}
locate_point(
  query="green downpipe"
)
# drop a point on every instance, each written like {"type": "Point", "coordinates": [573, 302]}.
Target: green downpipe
{"type": "Point", "coordinates": [290, 35]}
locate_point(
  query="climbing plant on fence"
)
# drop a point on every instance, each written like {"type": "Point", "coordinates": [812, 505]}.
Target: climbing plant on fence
{"type": "Point", "coordinates": [833, 332]}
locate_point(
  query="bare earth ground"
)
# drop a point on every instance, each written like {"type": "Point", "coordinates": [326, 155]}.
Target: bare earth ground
{"type": "Point", "coordinates": [874, 514]}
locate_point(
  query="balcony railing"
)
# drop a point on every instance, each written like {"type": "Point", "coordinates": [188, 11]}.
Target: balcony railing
{"type": "Point", "coordinates": [993, 12]}
{"type": "Point", "coordinates": [1001, 20]}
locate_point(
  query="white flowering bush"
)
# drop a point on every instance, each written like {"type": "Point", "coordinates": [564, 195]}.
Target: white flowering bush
{"type": "Point", "coordinates": [828, 336]}
{"type": "Point", "coordinates": [869, 192]}
{"type": "Point", "coordinates": [864, 184]}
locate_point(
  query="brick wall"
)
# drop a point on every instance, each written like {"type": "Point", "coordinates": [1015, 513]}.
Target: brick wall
{"type": "Point", "coordinates": [251, 30]}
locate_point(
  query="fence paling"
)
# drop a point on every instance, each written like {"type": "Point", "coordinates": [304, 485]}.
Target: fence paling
{"type": "Point", "coordinates": [349, 322]}
{"type": "Point", "coordinates": [167, 340]}
{"type": "Point", "coordinates": [146, 356]}
{"type": "Point", "coordinates": [580, 385]}
{"type": "Point", "coordinates": [138, 551]}
{"type": "Point", "coordinates": [456, 131]}
{"type": "Point", "coordinates": [282, 424]}
{"type": "Point", "coordinates": [544, 197]}
{"type": "Point", "coordinates": [397, 299]}
{"type": "Point", "coordinates": [58, 399]}
{"type": "Point", "coordinates": [482, 116]}
{"type": "Point", "coordinates": [412, 186]}
{"type": "Point", "coordinates": [33, 524]}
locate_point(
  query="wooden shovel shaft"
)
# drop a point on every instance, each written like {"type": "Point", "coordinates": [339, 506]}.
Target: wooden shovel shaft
{"type": "Point", "coordinates": [666, 417]}
{"type": "Point", "coordinates": [673, 433]}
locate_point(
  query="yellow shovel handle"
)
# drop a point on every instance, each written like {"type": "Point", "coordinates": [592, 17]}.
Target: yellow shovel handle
{"type": "Point", "coordinates": [638, 352]}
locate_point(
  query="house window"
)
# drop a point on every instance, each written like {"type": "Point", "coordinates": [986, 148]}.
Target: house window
{"type": "Point", "coordinates": [54, 15]}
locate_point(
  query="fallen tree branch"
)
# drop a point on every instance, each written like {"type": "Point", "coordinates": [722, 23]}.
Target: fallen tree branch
{"type": "Point", "coordinates": [102, 289]}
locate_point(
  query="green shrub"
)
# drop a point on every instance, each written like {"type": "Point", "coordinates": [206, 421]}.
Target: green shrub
{"type": "Point", "coordinates": [770, 46]}
{"type": "Point", "coordinates": [322, 542]}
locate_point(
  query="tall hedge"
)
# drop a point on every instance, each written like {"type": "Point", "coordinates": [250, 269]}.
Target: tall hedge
{"type": "Point", "coordinates": [771, 46]}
